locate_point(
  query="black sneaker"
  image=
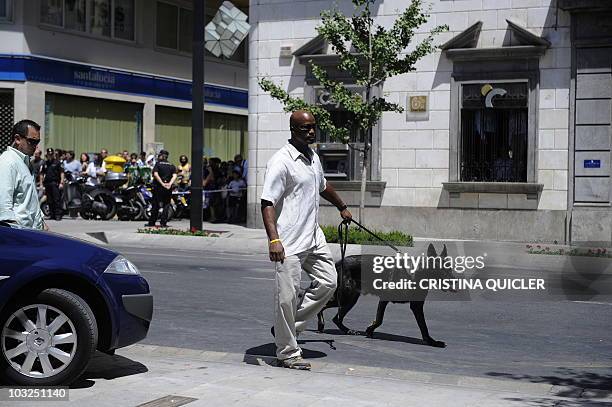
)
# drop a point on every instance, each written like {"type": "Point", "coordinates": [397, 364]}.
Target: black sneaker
{"type": "Point", "coordinates": [148, 225]}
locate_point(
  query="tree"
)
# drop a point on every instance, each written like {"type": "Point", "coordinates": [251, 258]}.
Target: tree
{"type": "Point", "coordinates": [371, 54]}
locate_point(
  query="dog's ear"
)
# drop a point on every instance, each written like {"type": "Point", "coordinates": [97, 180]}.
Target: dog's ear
{"type": "Point", "coordinates": [444, 253]}
{"type": "Point", "coordinates": [431, 251]}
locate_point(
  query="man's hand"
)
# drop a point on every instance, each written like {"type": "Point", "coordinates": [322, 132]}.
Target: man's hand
{"type": "Point", "coordinates": [45, 227]}
{"type": "Point", "coordinates": [346, 215]}
{"type": "Point", "coordinates": [277, 252]}
{"type": "Point", "coordinates": [167, 185]}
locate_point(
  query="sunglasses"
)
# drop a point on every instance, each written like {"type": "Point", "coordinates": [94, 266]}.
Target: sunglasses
{"type": "Point", "coordinates": [31, 141]}
{"type": "Point", "coordinates": [307, 127]}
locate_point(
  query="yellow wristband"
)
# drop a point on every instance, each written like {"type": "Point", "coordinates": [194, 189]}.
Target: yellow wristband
{"type": "Point", "coordinates": [275, 240]}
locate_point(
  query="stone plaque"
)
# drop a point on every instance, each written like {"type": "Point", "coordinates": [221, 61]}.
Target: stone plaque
{"type": "Point", "coordinates": [418, 103]}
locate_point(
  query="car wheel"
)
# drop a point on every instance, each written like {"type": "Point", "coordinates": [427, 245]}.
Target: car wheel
{"type": "Point", "coordinates": [48, 340]}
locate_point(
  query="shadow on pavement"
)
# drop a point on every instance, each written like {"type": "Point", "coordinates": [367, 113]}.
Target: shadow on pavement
{"type": "Point", "coordinates": [267, 354]}
{"type": "Point", "coordinates": [397, 338]}
{"type": "Point", "coordinates": [571, 382]}
{"type": "Point", "coordinates": [107, 367]}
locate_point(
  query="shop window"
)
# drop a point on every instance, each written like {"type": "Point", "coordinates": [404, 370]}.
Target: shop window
{"type": "Point", "coordinates": [494, 132]}
{"type": "Point", "coordinates": [102, 18]}
{"type": "Point", "coordinates": [174, 30]}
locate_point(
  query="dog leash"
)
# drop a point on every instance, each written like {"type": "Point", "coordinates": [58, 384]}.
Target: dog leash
{"type": "Point", "coordinates": [343, 232]}
{"type": "Point", "coordinates": [386, 242]}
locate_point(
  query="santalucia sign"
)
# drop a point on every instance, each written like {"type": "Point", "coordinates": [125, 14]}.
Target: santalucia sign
{"type": "Point", "coordinates": [94, 77]}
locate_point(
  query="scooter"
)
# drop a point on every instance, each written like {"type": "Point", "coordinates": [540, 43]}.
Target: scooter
{"type": "Point", "coordinates": [90, 202]}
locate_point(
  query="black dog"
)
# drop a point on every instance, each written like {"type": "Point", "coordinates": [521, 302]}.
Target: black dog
{"type": "Point", "coordinates": [350, 288]}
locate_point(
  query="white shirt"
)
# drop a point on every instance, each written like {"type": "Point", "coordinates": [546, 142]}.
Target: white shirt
{"type": "Point", "coordinates": [73, 167]}
{"type": "Point", "coordinates": [293, 185]}
{"type": "Point", "coordinates": [18, 196]}
{"type": "Point", "coordinates": [92, 174]}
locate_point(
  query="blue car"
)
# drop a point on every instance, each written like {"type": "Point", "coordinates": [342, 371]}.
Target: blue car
{"type": "Point", "coordinates": [60, 300]}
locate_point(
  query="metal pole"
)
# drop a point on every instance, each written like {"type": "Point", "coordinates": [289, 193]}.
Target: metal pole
{"type": "Point", "coordinates": [197, 114]}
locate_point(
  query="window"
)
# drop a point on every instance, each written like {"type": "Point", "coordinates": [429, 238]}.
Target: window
{"type": "Point", "coordinates": [124, 19]}
{"type": "Point", "coordinates": [186, 30]}
{"type": "Point", "coordinates": [51, 12]}
{"type": "Point", "coordinates": [339, 161]}
{"type": "Point", "coordinates": [494, 132]}
{"type": "Point", "coordinates": [102, 18]}
{"type": "Point", "coordinates": [167, 28]}
{"type": "Point", "coordinates": [174, 30]}
{"type": "Point", "coordinates": [5, 10]}
{"type": "Point", "coordinates": [75, 15]}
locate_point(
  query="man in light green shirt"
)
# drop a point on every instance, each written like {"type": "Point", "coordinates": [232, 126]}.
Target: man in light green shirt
{"type": "Point", "coordinates": [18, 196]}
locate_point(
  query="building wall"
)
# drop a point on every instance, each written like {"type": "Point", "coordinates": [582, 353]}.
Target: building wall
{"type": "Point", "coordinates": [415, 154]}
{"type": "Point", "coordinates": [26, 36]}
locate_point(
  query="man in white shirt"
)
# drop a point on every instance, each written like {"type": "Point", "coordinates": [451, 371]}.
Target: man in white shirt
{"type": "Point", "coordinates": [290, 208]}
{"type": "Point", "coordinates": [18, 196]}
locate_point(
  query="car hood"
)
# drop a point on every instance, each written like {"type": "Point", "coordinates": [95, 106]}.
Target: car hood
{"type": "Point", "coordinates": [34, 246]}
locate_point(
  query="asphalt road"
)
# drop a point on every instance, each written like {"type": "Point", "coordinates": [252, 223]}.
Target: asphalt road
{"type": "Point", "coordinates": [223, 302]}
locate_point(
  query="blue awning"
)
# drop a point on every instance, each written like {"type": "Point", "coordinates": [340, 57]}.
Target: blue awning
{"type": "Point", "coordinates": [47, 70]}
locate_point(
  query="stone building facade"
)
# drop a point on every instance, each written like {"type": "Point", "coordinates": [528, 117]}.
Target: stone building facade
{"type": "Point", "coordinates": [507, 129]}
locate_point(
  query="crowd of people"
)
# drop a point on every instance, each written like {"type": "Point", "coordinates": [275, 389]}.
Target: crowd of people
{"type": "Point", "coordinates": [224, 182]}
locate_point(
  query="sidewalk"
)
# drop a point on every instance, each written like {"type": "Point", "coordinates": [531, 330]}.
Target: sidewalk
{"type": "Point", "coordinates": [142, 373]}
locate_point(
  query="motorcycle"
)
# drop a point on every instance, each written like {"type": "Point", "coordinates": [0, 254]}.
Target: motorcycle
{"type": "Point", "coordinates": [90, 202]}
{"type": "Point", "coordinates": [130, 205]}
{"type": "Point", "coordinates": [180, 204]}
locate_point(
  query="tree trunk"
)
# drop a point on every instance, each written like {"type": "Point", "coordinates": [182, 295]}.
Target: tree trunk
{"type": "Point", "coordinates": [364, 172]}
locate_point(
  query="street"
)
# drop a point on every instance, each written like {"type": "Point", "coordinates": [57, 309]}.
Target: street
{"type": "Point", "coordinates": [222, 302]}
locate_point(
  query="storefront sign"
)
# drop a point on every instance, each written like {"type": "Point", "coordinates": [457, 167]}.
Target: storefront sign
{"type": "Point", "coordinates": [46, 70]}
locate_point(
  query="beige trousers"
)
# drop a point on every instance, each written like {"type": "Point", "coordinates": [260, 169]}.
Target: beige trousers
{"type": "Point", "coordinates": [291, 315]}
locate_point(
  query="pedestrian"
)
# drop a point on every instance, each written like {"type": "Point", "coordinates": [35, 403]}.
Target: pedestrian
{"type": "Point", "coordinates": [132, 169]}
{"type": "Point", "coordinates": [142, 160]}
{"type": "Point", "coordinates": [37, 163]}
{"type": "Point", "coordinates": [52, 175]}
{"type": "Point", "coordinates": [94, 171]}
{"type": "Point", "coordinates": [212, 183]}
{"type": "Point", "coordinates": [243, 165]}
{"type": "Point", "coordinates": [164, 175]}
{"type": "Point", "coordinates": [184, 173]}
{"type": "Point", "coordinates": [126, 156]}
{"type": "Point", "coordinates": [293, 183]}
{"type": "Point", "coordinates": [84, 162]}
{"type": "Point", "coordinates": [72, 168]}
{"type": "Point", "coordinates": [103, 155]}
{"type": "Point", "coordinates": [150, 162]}
{"type": "Point", "coordinates": [18, 196]}
{"type": "Point", "coordinates": [236, 187]}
